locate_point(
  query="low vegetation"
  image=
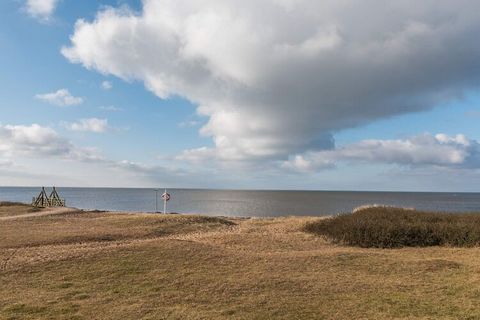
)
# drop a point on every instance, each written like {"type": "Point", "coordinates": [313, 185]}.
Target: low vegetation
{"type": "Point", "coordinates": [11, 204]}
{"type": "Point", "coordinates": [100, 265]}
{"type": "Point", "coordinates": [15, 208]}
{"type": "Point", "coordinates": [388, 227]}
{"type": "Point", "coordinates": [79, 227]}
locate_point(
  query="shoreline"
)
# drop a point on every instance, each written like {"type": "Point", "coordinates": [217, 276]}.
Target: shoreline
{"type": "Point", "coordinates": [252, 203]}
{"type": "Point", "coordinates": [160, 214]}
{"type": "Point", "coordinates": [61, 210]}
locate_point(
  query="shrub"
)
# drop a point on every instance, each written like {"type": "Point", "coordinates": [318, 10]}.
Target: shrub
{"type": "Point", "coordinates": [388, 227]}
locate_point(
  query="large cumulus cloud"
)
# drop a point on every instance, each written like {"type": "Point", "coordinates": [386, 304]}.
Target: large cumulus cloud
{"type": "Point", "coordinates": [280, 77]}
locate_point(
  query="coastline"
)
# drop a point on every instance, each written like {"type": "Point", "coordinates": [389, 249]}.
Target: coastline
{"type": "Point", "coordinates": [249, 203]}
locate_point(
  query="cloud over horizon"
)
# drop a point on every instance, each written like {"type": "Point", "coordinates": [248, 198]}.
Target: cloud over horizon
{"type": "Point", "coordinates": [36, 141]}
{"type": "Point", "coordinates": [438, 150]}
{"type": "Point", "coordinates": [279, 78]}
{"type": "Point", "coordinates": [20, 142]}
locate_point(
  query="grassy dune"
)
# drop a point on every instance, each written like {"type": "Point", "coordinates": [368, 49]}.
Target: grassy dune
{"type": "Point", "coordinates": [13, 208]}
{"type": "Point", "coordinates": [117, 266]}
{"type": "Point", "coordinates": [388, 227]}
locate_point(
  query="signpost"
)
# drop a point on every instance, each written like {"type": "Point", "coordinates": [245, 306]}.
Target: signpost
{"type": "Point", "coordinates": [156, 200]}
{"type": "Point", "coordinates": [165, 197]}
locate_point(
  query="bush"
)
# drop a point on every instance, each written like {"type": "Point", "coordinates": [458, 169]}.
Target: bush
{"type": "Point", "coordinates": [387, 227]}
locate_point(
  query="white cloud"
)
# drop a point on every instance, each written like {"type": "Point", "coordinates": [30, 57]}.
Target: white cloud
{"type": "Point", "coordinates": [424, 150]}
{"type": "Point", "coordinates": [277, 78]}
{"type": "Point", "coordinates": [41, 9]}
{"type": "Point", "coordinates": [110, 108]}
{"type": "Point", "coordinates": [36, 141]}
{"type": "Point", "coordinates": [31, 140]}
{"type": "Point", "coordinates": [107, 85]}
{"type": "Point", "coordinates": [61, 98]}
{"type": "Point", "coordinates": [196, 155]}
{"type": "Point", "coordinates": [146, 170]}
{"type": "Point", "coordinates": [92, 125]}
{"type": "Point", "coordinates": [32, 152]}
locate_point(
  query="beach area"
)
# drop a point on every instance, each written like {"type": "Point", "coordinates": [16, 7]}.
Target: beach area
{"type": "Point", "coordinates": [65, 263]}
{"type": "Point", "coordinates": [268, 159]}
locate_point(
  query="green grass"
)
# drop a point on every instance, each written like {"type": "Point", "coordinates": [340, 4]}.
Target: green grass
{"type": "Point", "coordinates": [387, 227]}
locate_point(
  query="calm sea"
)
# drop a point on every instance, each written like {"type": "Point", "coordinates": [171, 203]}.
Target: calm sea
{"type": "Point", "coordinates": [248, 203]}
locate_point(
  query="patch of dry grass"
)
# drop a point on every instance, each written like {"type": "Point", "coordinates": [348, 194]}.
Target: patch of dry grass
{"type": "Point", "coordinates": [190, 267]}
{"type": "Point", "coordinates": [15, 208]}
{"type": "Point", "coordinates": [84, 227]}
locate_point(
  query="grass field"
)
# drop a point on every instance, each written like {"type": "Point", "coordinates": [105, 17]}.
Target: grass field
{"type": "Point", "coordinates": [81, 265]}
{"type": "Point", "coordinates": [12, 209]}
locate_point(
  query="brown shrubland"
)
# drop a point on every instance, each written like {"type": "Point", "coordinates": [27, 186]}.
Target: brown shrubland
{"type": "Point", "coordinates": [388, 227]}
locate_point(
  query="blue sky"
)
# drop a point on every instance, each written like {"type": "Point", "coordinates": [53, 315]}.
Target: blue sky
{"type": "Point", "coordinates": [189, 96]}
{"type": "Point", "coordinates": [32, 63]}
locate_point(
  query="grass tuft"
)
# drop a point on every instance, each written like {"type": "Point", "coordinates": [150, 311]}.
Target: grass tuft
{"type": "Point", "coordinates": [388, 227]}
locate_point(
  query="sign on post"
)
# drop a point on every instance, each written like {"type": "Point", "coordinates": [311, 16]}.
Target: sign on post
{"type": "Point", "coordinates": [165, 197]}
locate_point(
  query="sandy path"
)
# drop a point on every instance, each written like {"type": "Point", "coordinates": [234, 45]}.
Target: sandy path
{"type": "Point", "coordinates": [46, 212]}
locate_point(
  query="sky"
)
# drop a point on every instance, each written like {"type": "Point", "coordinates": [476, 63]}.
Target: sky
{"type": "Point", "coordinates": [253, 94]}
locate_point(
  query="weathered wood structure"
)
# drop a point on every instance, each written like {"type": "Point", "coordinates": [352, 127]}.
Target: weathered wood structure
{"type": "Point", "coordinates": [43, 201]}
{"type": "Point", "coordinates": [55, 200]}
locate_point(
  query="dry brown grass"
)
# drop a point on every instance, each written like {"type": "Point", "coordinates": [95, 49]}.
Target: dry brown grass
{"type": "Point", "coordinates": [84, 227]}
{"type": "Point", "coordinates": [15, 208]}
{"type": "Point", "coordinates": [112, 266]}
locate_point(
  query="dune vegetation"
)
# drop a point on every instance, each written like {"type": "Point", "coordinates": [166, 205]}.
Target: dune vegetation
{"type": "Point", "coordinates": [388, 227]}
{"type": "Point", "coordinates": [102, 265]}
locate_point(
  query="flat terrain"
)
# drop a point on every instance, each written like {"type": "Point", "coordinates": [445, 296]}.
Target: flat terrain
{"type": "Point", "coordinates": [9, 209]}
{"type": "Point", "coordinates": [97, 265]}
{"type": "Point", "coordinates": [15, 210]}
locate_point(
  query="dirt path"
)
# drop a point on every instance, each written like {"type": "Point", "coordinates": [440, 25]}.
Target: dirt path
{"type": "Point", "coordinates": [46, 212]}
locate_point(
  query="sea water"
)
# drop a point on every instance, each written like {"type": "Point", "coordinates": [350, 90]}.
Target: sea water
{"type": "Point", "coordinates": [257, 203]}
